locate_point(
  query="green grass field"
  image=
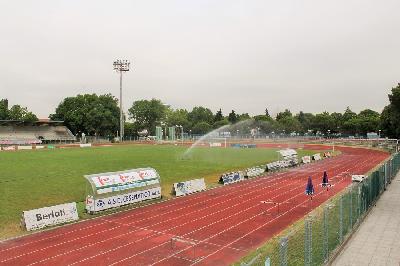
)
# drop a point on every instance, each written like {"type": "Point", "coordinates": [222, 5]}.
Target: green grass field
{"type": "Point", "coordinates": [34, 179]}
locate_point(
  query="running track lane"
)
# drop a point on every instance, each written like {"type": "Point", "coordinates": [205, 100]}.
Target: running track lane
{"type": "Point", "coordinates": [215, 227]}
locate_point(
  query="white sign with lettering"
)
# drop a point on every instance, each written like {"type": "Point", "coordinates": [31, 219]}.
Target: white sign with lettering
{"type": "Point", "coordinates": [47, 216]}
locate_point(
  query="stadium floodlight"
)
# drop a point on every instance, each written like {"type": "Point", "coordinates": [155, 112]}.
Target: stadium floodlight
{"type": "Point", "coordinates": [121, 66]}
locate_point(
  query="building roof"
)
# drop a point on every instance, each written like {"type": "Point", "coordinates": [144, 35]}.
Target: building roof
{"type": "Point", "coordinates": [26, 123]}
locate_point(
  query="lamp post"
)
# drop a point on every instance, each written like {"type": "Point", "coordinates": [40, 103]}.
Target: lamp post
{"type": "Point", "coordinates": [379, 133]}
{"type": "Point", "coordinates": [121, 66]}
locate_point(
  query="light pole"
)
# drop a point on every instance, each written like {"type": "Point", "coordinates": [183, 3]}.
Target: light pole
{"type": "Point", "coordinates": [121, 66]}
{"type": "Point", "coordinates": [379, 133]}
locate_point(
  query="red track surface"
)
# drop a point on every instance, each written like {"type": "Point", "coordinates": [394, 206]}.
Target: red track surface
{"type": "Point", "coordinates": [216, 227]}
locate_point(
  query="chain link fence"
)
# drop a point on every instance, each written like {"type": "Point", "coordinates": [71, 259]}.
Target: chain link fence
{"type": "Point", "coordinates": [314, 240]}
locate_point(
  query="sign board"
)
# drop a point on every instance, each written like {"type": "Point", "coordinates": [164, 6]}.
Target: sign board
{"type": "Point", "coordinates": [215, 144]}
{"type": "Point", "coordinates": [357, 178]}
{"type": "Point", "coordinates": [316, 157]}
{"type": "Point", "coordinates": [124, 180]}
{"type": "Point", "coordinates": [254, 171]}
{"type": "Point", "coordinates": [40, 218]}
{"type": "Point", "coordinates": [24, 147]}
{"type": "Point", "coordinates": [39, 147]}
{"type": "Point", "coordinates": [9, 148]}
{"type": "Point", "coordinates": [85, 145]}
{"type": "Point", "coordinates": [288, 153]}
{"type": "Point", "coordinates": [188, 187]}
{"type": "Point", "coordinates": [306, 159]}
{"type": "Point", "coordinates": [230, 178]}
{"type": "Point", "coordinates": [94, 205]}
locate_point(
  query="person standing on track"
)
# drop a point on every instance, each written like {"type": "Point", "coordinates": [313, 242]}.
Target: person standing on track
{"type": "Point", "coordinates": [325, 181]}
{"type": "Point", "coordinates": [310, 187]}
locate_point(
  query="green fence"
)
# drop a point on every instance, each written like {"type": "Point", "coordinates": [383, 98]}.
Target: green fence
{"type": "Point", "coordinates": [314, 240]}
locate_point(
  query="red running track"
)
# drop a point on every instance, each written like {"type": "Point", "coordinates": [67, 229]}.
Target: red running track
{"type": "Point", "coordinates": [215, 227]}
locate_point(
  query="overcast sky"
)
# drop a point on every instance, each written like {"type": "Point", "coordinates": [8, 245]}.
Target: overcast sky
{"type": "Point", "coordinates": [243, 55]}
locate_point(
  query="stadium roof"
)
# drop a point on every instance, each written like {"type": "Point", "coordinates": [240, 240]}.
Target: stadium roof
{"type": "Point", "coordinates": [29, 123]}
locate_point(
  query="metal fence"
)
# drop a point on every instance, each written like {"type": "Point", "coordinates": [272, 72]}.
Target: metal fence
{"type": "Point", "coordinates": [316, 239]}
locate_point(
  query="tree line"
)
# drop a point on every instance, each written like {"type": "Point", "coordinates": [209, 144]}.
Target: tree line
{"type": "Point", "coordinates": [99, 115]}
{"type": "Point", "coordinates": [15, 112]}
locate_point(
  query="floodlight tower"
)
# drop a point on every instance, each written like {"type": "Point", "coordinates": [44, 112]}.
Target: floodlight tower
{"type": "Point", "coordinates": [121, 66]}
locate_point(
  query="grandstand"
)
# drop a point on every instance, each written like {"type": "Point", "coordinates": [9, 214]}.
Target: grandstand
{"type": "Point", "coordinates": [14, 132]}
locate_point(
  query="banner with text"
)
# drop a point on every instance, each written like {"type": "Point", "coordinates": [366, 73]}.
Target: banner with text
{"type": "Point", "coordinates": [124, 180]}
{"type": "Point", "coordinates": [306, 159]}
{"type": "Point", "coordinates": [317, 157]}
{"type": "Point", "coordinates": [94, 205]}
{"type": "Point", "coordinates": [47, 216]}
{"type": "Point", "coordinates": [230, 178]}
{"type": "Point", "coordinates": [188, 187]}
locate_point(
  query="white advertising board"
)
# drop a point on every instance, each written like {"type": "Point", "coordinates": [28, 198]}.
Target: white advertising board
{"type": "Point", "coordinates": [306, 159]}
{"type": "Point", "coordinates": [94, 205]}
{"type": "Point", "coordinates": [106, 183]}
{"type": "Point", "coordinates": [288, 153]}
{"type": "Point", "coordinates": [24, 147]}
{"type": "Point", "coordinates": [188, 187]}
{"type": "Point", "coordinates": [85, 145]}
{"type": "Point", "coordinates": [9, 148]}
{"type": "Point", "coordinates": [215, 144]}
{"type": "Point", "coordinates": [39, 147]}
{"type": "Point", "coordinates": [254, 171]}
{"type": "Point", "coordinates": [317, 156]}
{"type": "Point", "coordinates": [47, 216]}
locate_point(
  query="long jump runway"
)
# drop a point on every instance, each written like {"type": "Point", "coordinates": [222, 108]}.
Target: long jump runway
{"type": "Point", "coordinates": [215, 227]}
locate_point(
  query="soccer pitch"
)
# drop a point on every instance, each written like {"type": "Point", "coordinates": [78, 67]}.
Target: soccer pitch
{"type": "Point", "coordinates": [34, 179]}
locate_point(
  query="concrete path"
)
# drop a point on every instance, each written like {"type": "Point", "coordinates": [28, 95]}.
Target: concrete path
{"type": "Point", "coordinates": [377, 241]}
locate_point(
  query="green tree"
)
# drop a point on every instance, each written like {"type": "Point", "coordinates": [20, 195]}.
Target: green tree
{"type": "Point", "coordinates": [178, 117]}
{"type": "Point", "coordinates": [390, 117]}
{"type": "Point", "coordinates": [218, 116]}
{"type": "Point", "coordinates": [201, 114]}
{"type": "Point", "coordinates": [232, 117]}
{"type": "Point", "coordinates": [221, 123]}
{"type": "Point", "coordinates": [323, 122]}
{"type": "Point", "coordinates": [4, 109]}
{"type": "Point", "coordinates": [283, 115]}
{"type": "Point", "coordinates": [244, 116]}
{"type": "Point", "coordinates": [338, 121]}
{"type": "Point", "coordinates": [266, 112]}
{"type": "Point", "coordinates": [89, 113]}
{"type": "Point", "coordinates": [349, 122]}
{"type": "Point", "coordinates": [17, 112]}
{"type": "Point", "coordinates": [201, 128]}
{"type": "Point", "coordinates": [369, 121]}
{"type": "Point", "coordinates": [148, 114]}
{"type": "Point", "coordinates": [305, 120]}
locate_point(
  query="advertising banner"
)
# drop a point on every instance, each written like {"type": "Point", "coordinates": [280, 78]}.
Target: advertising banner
{"type": "Point", "coordinates": [40, 218]}
{"type": "Point", "coordinates": [306, 159]}
{"type": "Point", "coordinates": [9, 148]}
{"type": "Point", "coordinates": [85, 145]}
{"type": "Point", "coordinates": [188, 187]}
{"type": "Point", "coordinates": [288, 153]}
{"type": "Point", "coordinates": [230, 178]}
{"type": "Point", "coordinates": [317, 157]}
{"type": "Point", "coordinates": [24, 147]}
{"type": "Point", "coordinates": [94, 205]}
{"type": "Point", "coordinates": [129, 179]}
{"type": "Point", "coordinates": [215, 144]}
{"type": "Point", "coordinates": [254, 171]}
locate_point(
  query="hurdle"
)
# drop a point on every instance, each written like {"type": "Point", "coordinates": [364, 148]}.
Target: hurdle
{"type": "Point", "coordinates": [274, 203]}
{"type": "Point", "coordinates": [186, 243]}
